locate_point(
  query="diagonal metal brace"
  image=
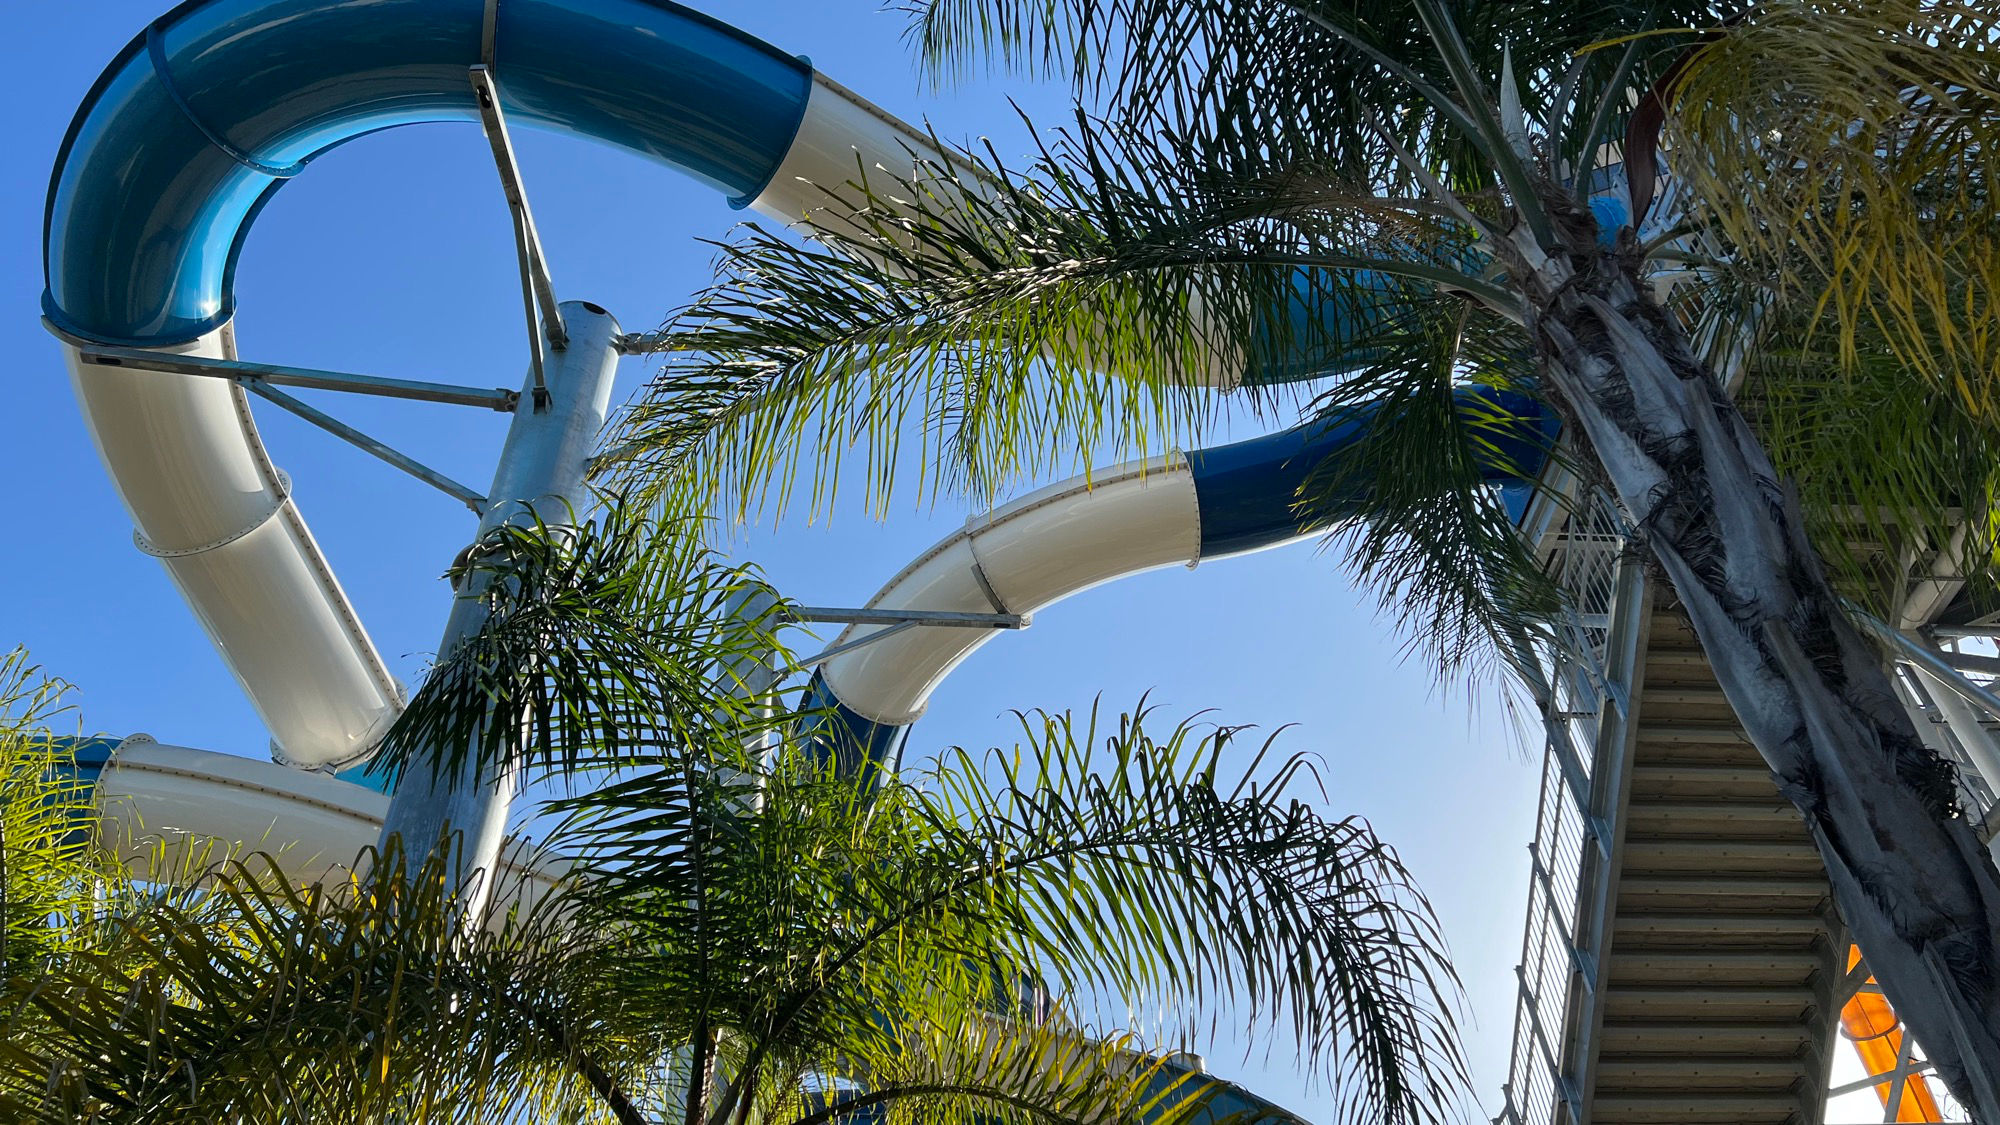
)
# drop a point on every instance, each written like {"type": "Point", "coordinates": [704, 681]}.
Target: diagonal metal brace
{"type": "Point", "coordinates": [897, 620]}
{"type": "Point", "coordinates": [946, 617]}
{"type": "Point", "coordinates": [537, 288]}
{"type": "Point", "coordinates": [370, 445]}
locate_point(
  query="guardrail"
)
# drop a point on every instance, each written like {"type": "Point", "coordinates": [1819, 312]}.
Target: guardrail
{"type": "Point", "coordinates": [1579, 683]}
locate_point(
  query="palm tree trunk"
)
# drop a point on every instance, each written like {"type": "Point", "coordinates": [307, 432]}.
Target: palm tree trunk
{"type": "Point", "coordinates": [701, 1073]}
{"type": "Point", "coordinates": [1920, 893]}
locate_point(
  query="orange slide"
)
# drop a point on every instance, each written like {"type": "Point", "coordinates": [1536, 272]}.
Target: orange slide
{"type": "Point", "coordinates": [1877, 1034]}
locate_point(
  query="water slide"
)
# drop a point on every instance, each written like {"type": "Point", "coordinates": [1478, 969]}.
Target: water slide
{"type": "Point", "coordinates": [195, 125]}
{"type": "Point", "coordinates": [198, 121]}
{"type": "Point", "coordinates": [201, 118]}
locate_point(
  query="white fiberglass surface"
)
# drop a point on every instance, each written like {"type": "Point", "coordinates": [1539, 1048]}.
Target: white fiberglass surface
{"type": "Point", "coordinates": [207, 502]}
{"type": "Point", "coordinates": [169, 809]}
{"type": "Point", "coordinates": [1018, 559]}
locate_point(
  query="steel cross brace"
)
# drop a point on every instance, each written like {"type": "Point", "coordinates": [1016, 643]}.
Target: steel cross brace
{"type": "Point", "coordinates": [897, 621]}
{"type": "Point", "coordinates": [310, 378]}
{"type": "Point", "coordinates": [263, 380]}
{"type": "Point", "coordinates": [375, 448]}
{"type": "Point", "coordinates": [909, 617]}
{"type": "Point", "coordinates": [537, 288]}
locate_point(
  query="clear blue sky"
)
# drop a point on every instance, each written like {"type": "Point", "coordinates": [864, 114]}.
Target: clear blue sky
{"type": "Point", "coordinates": [392, 257]}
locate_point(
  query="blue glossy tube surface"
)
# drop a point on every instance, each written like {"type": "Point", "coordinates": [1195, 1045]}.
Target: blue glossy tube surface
{"type": "Point", "coordinates": [1249, 491]}
{"type": "Point", "coordinates": [201, 118]}
{"type": "Point", "coordinates": [843, 737]}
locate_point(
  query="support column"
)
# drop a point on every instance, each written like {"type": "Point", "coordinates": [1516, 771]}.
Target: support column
{"type": "Point", "coordinates": [540, 476]}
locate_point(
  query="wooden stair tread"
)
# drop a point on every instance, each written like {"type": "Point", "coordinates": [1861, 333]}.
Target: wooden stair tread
{"type": "Point", "coordinates": [1699, 1109]}
{"type": "Point", "coordinates": [1644, 1074]}
{"type": "Point", "coordinates": [1682, 1038]}
{"type": "Point", "coordinates": [1708, 781]}
{"type": "Point", "coordinates": [1714, 1006]}
{"type": "Point", "coordinates": [1726, 732]}
{"type": "Point", "coordinates": [1649, 855]}
{"type": "Point", "coordinates": [1733, 1005]}
{"type": "Point", "coordinates": [1775, 932]}
{"type": "Point", "coordinates": [1790, 967]}
{"type": "Point", "coordinates": [1747, 821]}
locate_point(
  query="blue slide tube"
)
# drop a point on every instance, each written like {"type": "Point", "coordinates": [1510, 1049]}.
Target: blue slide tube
{"type": "Point", "coordinates": [1067, 537]}
{"type": "Point", "coordinates": [201, 118]}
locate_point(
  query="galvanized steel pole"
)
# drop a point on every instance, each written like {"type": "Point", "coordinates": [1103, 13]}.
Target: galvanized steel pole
{"type": "Point", "coordinates": [540, 477]}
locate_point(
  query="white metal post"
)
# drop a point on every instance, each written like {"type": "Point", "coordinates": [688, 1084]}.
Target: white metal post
{"type": "Point", "coordinates": [540, 477]}
{"type": "Point", "coordinates": [752, 674]}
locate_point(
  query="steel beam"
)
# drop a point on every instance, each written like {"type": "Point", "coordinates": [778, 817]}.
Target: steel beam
{"type": "Point", "coordinates": [949, 618]}
{"type": "Point", "coordinates": [528, 238]}
{"type": "Point", "coordinates": [1947, 668]}
{"type": "Point", "coordinates": [104, 355]}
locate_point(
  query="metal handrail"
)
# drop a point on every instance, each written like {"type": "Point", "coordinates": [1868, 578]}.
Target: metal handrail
{"type": "Point", "coordinates": [1579, 683]}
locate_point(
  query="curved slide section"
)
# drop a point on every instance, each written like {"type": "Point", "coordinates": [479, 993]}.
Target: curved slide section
{"type": "Point", "coordinates": [1070, 536]}
{"type": "Point", "coordinates": [209, 504]}
{"type": "Point", "coordinates": [201, 119]}
{"type": "Point", "coordinates": [168, 806]}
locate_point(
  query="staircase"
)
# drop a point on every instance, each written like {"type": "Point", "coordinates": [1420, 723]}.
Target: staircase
{"type": "Point", "coordinates": [1723, 955]}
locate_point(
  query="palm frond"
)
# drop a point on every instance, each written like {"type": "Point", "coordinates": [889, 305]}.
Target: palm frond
{"type": "Point", "coordinates": [985, 1068]}
{"type": "Point", "coordinates": [55, 886]}
{"type": "Point", "coordinates": [1414, 502]}
{"type": "Point", "coordinates": [1017, 320]}
{"type": "Point", "coordinates": [258, 1001]}
{"type": "Point", "coordinates": [1848, 154]}
{"type": "Point", "coordinates": [1140, 870]}
{"type": "Point", "coordinates": [1889, 471]}
{"type": "Point", "coordinates": [601, 640]}
{"type": "Point", "coordinates": [1298, 79]}
{"type": "Point", "coordinates": [905, 910]}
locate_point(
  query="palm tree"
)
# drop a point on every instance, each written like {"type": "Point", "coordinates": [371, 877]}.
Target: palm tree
{"type": "Point", "coordinates": [1402, 195]}
{"type": "Point", "coordinates": [741, 932]}
{"type": "Point", "coordinates": [47, 867]}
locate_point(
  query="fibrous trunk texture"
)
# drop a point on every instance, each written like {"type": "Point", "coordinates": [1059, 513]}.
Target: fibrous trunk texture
{"type": "Point", "coordinates": [1920, 894]}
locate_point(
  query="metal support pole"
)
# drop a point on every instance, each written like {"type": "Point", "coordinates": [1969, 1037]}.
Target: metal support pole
{"type": "Point", "coordinates": [540, 477]}
{"type": "Point", "coordinates": [752, 674]}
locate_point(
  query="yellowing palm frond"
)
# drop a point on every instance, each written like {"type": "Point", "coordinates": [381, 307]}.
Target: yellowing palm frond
{"type": "Point", "coordinates": [1848, 151]}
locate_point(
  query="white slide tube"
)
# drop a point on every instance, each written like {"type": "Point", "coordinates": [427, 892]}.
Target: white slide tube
{"type": "Point", "coordinates": [1018, 558]}
{"type": "Point", "coordinates": [166, 806]}
{"type": "Point", "coordinates": [206, 501]}
{"type": "Point", "coordinates": [844, 138]}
